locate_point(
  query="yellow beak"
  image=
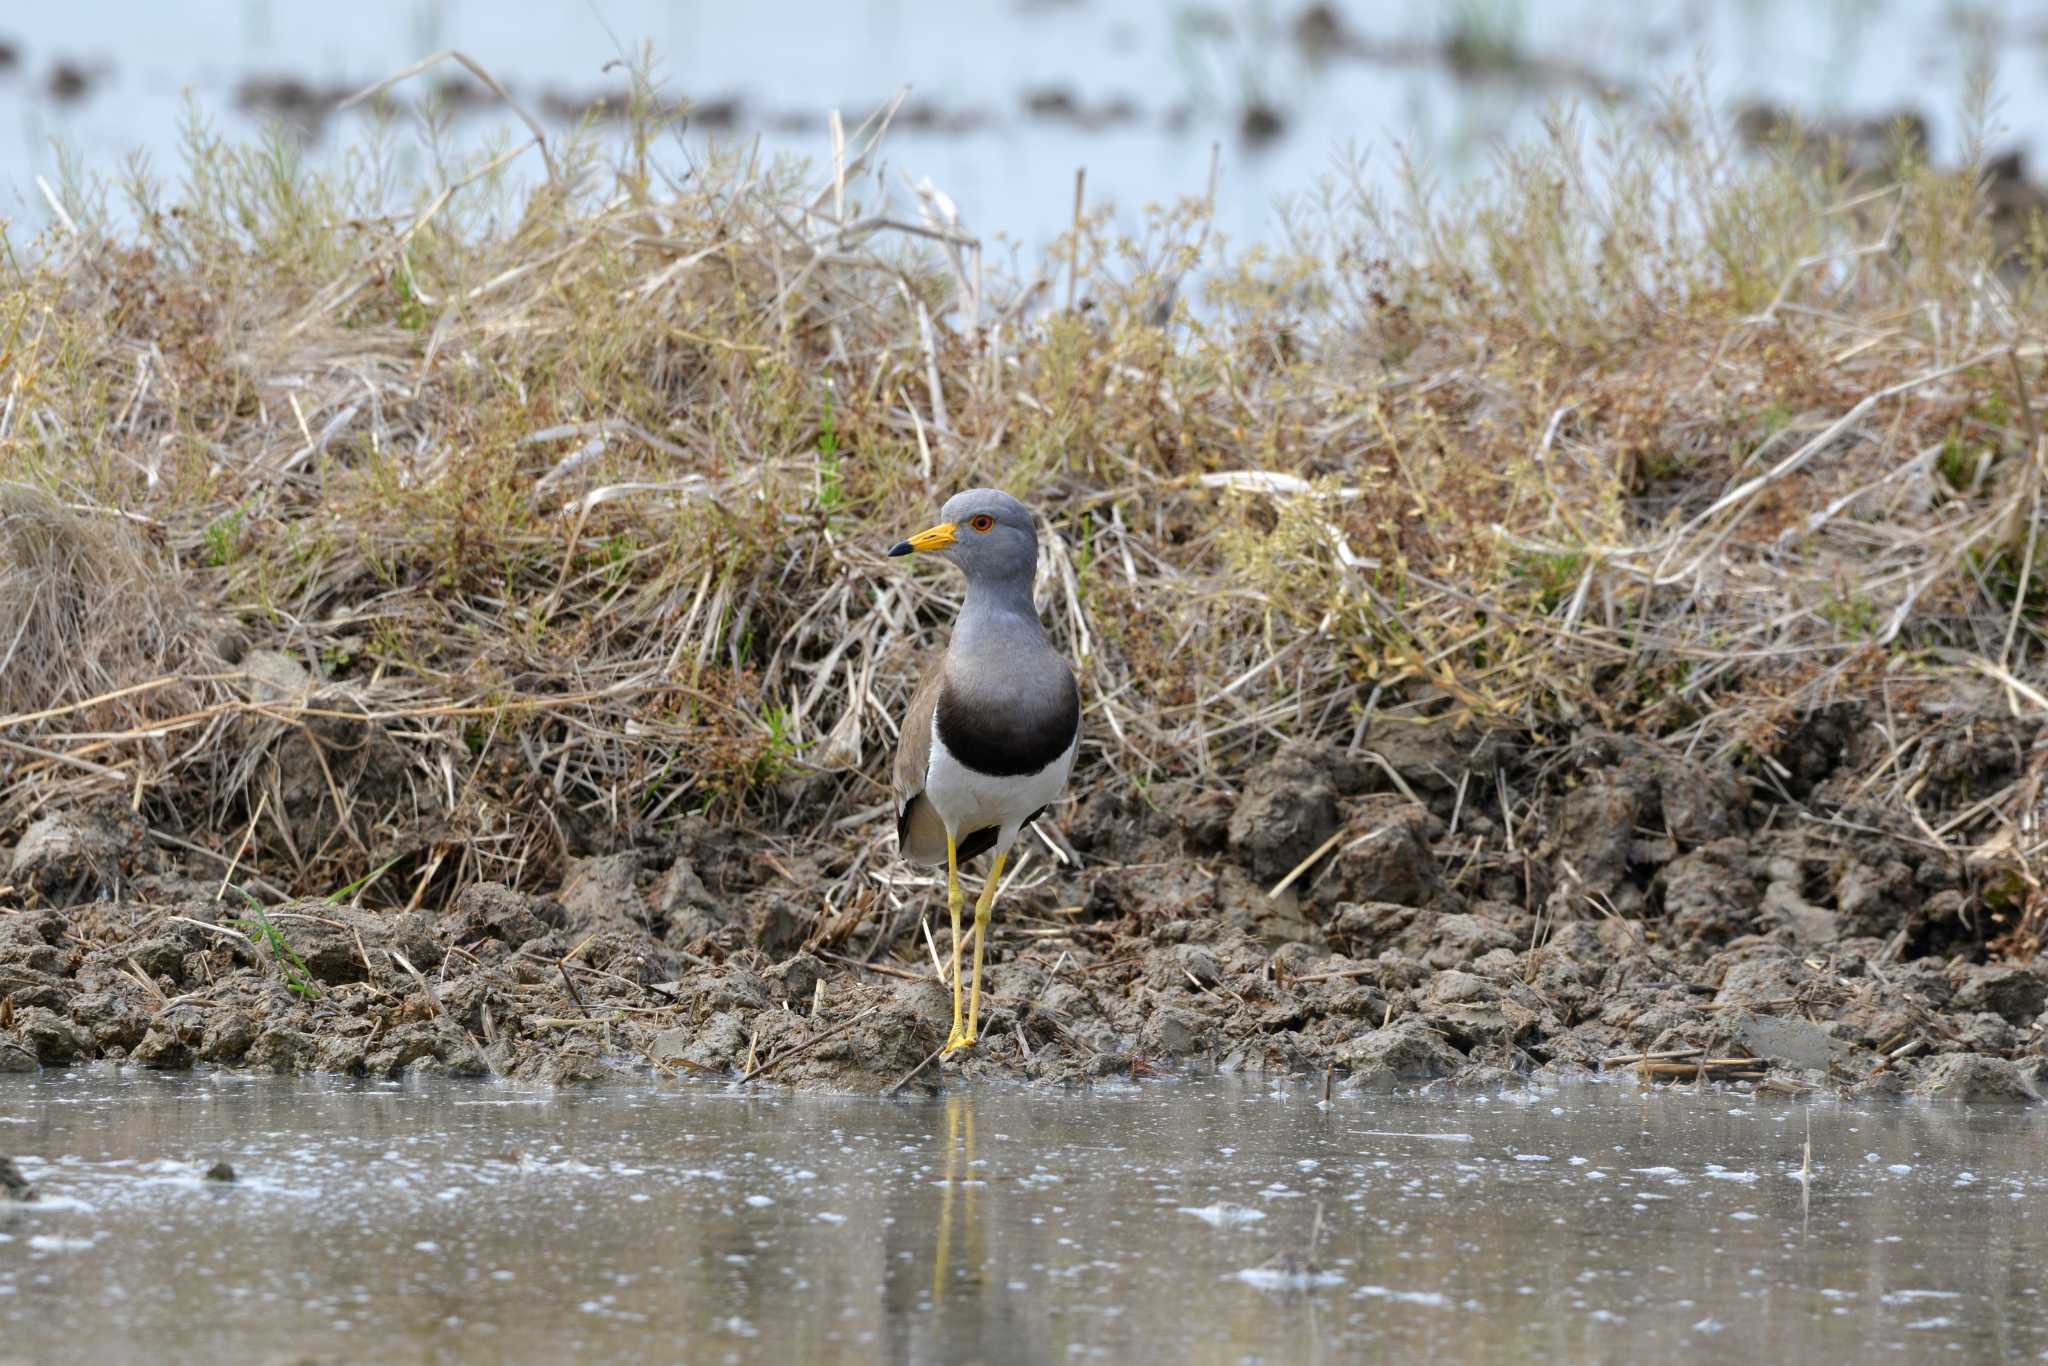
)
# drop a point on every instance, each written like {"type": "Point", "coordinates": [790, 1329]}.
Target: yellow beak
{"type": "Point", "coordinates": [932, 538]}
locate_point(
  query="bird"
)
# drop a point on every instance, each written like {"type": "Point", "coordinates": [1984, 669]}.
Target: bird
{"type": "Point", "coordinates": [991, 731]}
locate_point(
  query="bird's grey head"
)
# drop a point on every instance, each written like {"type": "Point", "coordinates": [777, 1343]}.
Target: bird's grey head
{"type": "Point", "coordinates": [989, 534]}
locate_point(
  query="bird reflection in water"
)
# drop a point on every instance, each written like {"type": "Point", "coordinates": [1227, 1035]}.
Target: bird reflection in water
{"type": "Point", "coordinates": [960, 1187]}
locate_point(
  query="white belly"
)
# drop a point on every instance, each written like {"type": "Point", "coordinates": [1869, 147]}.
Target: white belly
{"type": "Point", "coordinates": [967, 801]}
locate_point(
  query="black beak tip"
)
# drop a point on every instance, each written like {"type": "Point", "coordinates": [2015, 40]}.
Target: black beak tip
{"type": "Point", "coordinates": [902, 548]}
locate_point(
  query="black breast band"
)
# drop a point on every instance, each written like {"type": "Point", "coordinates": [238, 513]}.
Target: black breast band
{"type": "Point", "coordinates": [1008, 741]}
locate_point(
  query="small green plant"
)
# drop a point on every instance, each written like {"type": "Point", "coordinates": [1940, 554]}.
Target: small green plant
{"type": "Point", "coordinates": [412, 314]}
{"type": "Point", "coordinates": [1775, 417]}
{"type": "Point", "coordinates": [223, 539]}
{"type": "Point", "coordinates": [262, 930]}
{"type": "Point", "coordinates": [2010, 580]}
{"type": "Point", "coordinates": [1660, 467]}
{"type": "Point", "coordinates": [831, 481]}
{"type": "Point", "coordinates": [781, 747]}
{"type": "Point", "coordinates": [334, 897]}
{"type": "Point", "coordinates": [1851, 614]}
{"type": "Point", "coordinates": [1991, 409]}
{"type": "Point", "coordinates": [1960, 466]}
{"type": "Point", "coordinates": [1553, 577]}
{"type": "Point", "coordinates": [614, 553]}
{"type": "Point", "coordinates": [1964, 463]}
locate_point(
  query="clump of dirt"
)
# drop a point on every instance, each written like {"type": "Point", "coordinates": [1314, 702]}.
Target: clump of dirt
{"type": "Point", "coordinates": [1396, 913]}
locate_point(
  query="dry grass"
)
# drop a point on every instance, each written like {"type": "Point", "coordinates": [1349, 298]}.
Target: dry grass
{"type": "Point", "coordinates": [473, 531]}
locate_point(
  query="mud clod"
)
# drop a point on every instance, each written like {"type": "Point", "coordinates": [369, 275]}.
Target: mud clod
{"type": "Point", "coordinates": [1288, 809]}
{"type": "Point", "coordinates": [64, 853]}
{"type": "Point", "coordinates": [2016, 995]}
{"type": "Point", "coordinates": [489, 910]}
{"type": "Point", "coordinates": [174, 1038]}
{"type": "Point", "coordinates": [1406, 1050]}
{"type": "Point", "coordinates": [281, 1049]}
{"type": "Point", "coordinates": [1967, 1077]}
{"type": "Point", "coordinates": [53, 1039]}
{"type": "Point", "coordinates": [1176, 1032]}
{"type": "Point", "coordinates": [1387, 857]}
{"type": "Point", "coordinates": [110, 1019]}
{"type": "Point", "coordinates": [1791, 1042]}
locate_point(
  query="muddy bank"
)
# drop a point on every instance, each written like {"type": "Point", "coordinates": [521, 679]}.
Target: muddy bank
{"type": "Point", "coordinates": [1452, 903]}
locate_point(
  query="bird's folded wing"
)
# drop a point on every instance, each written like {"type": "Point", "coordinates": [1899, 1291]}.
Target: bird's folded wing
{"type": "Point", "coordinates": [914, 742]}
{"type": "Point", "coordinates": [919, 834]}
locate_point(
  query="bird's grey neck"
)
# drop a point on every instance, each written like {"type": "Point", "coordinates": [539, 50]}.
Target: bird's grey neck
{"type": "Point", "coordinates": [998, 609]}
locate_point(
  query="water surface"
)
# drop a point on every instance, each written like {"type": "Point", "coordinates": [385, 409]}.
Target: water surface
{"type": "Point", "coordinates": [1018, 93]}
{"type": "Point", "coordinates": [1173, 1220]}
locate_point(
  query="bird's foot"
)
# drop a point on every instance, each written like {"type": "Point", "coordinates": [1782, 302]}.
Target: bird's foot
{"type": "Point", "coordinates": [960, 1039]}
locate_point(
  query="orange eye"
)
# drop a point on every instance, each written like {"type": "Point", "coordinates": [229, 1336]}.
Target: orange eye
{"type": "Point", "coordinates": [981, 521]}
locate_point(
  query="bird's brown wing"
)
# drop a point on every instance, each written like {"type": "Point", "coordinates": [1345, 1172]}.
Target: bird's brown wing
{"type": "Point", "coordinates": [920, 835]}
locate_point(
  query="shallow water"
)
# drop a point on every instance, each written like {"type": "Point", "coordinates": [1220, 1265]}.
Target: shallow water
{"type": "Point", "coordinates": [459, 1221]}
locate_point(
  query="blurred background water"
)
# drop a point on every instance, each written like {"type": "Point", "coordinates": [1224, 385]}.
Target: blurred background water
{"type": "Point", "coordinates": [1009, 97]}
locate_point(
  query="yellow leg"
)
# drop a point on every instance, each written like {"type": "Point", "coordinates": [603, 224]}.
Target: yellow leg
{"type": "Point", "coordinates": [955, 899]}
{"type": "Point", "coordinates": [982, 906]}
